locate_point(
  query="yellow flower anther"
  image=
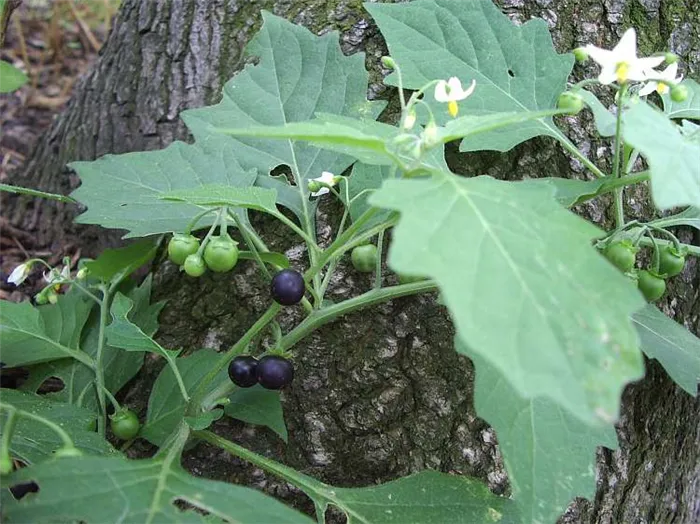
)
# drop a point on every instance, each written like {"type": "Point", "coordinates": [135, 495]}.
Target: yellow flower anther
{"type": "Point", "coordinates": [453, 108]}
{"type": "Point", "coordinates": [622, 72]}
{"type": "Point", "coordinates": [662, 88]}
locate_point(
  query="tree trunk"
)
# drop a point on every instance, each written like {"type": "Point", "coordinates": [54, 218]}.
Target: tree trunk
{"type": "Point", "coordinates": [396, 398]}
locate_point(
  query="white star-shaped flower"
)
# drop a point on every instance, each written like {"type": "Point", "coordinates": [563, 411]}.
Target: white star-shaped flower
{"type": "Point", "coordinates": [319, 187]}
{"type": "Point", "coordinates": [622, 63]}
{"type": "Point", "coordinates": [451, 92]}
{"type": "Point", "coordinates": [661, 80]}
{"type": "Point", "coordinates": [19, 274]}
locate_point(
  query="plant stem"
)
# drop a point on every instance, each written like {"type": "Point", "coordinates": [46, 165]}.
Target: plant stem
{"type": "Point", "coordinates": [378, 269]}
{"type": "Point", "coordinates": [571, 148]}
{"type": "Point", "coordinates": [9, 428]}
{"type": "Point", "coordinates": [692, 250]}
{"type": "Point", "coordinates": [99, 371]}
{"type": "Point", "coordinates": [14, 412]}
{"type": "Point", "coordinates": [235, 350]}
{"type": "Point", "coordinates": [251, 245]}
{"type": "Point", "coordinates": [113, 401]}
{"type": "Point", "coordinates": [618, 192]}
{"type": "Point", "coordinates": [34, 192]}
{"type": "Point", "coordinates": [329, 314]}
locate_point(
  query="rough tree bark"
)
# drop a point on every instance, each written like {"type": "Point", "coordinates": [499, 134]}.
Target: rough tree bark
{"type": "Point", "coordinates": [397, 398]}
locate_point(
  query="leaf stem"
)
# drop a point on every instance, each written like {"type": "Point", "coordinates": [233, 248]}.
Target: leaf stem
{"type": "Point", "coordinates": [370, 298]}
{"type": "Point", "coordinates": [251, 244]}
{"type": "Point", "coordinates": [618, 192]}
{"type": "Point", "coordinates": [65, 437]}
{"type": "Point", "coordinates": [378, 269]}
{"type": "Point", "coordinates": [99, 371]}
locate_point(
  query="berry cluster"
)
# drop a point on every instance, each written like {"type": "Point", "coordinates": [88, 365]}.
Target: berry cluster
{"type": "Point", "coordinates": [271, 371]}
{"type": "Point", "coordinates": [651, 282]}
{"type": "Point", "coordinates": [220, 254]}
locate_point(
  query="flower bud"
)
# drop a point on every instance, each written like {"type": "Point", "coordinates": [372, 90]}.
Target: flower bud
{"type": "Point", "coordinates": [314, 186]}
{"type": "Point", "coordinates": [388, 62]}
{"type": "Point", "coordinates": [82, 274]}
{"type": "Point", "coordinates": [571, 102]}
{"type": "Point", "coordinates": [670, 58]}
{"type": "Point", "coordinates": [580, 54]}
{"type": "Point", "coordinates": [409, 121]}
{"type": "Point", "coordinates": [430, 136]}
{"type": "Point", "coordinates": [20, 274]}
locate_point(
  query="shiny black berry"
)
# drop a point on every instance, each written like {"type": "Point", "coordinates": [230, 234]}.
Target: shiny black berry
{"type": "Point", "coordinates": [287, 287]}
{"type": "Point", "coordinates": [241, 371]}
{"type": "Point", "coordinates": [20, 490]}
{"type": "Point", "coordinates": [275, 372]}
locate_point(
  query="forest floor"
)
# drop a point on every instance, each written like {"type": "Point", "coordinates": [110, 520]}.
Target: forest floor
{"type": "Point", "coordinates": [54, 43]}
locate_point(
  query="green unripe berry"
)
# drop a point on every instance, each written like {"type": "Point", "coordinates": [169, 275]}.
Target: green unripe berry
{"type": "Point", "coordinates": [364, 258]}
{"type": "Point", "coordinates": [679, 93]}
{"type": "Point", "coordinates": [572, 103]}
{"type": "Point", "coordinates": [221, 254]}
{"type": "Point", "coordinates": [194, 265]}
{"type": "Point", "coordinates": [181, 246]}
{"type": "Point", "coordinates": [580, 54]}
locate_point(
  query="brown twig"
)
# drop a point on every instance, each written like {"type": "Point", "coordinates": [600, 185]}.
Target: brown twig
{"type": "Point", "coordinates": [23, 49]}
{"type": "Point", "coordinates": [94, 43]}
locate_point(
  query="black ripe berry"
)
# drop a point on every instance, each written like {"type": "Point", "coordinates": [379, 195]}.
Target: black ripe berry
{"type": "Point", "coordinates": [275, 372]}
{"type": "Point", "coordinates": [287, 287]}
{"type": "Point", "coordinates": [241, 371]}
{"type": "Point", "coordinates": [20, 490]}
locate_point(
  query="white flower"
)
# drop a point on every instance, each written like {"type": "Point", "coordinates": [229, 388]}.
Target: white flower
{"type": "Point", "coordinates": [20, 274]}
{"type": "Point", "coordinates": [661, 80]}
{"type": "Point", "coordinates": [622, 63]}
{"type": "Point", "coordinates": [317, 185]}
{"type": "Point", "coordinates": [452, 92]}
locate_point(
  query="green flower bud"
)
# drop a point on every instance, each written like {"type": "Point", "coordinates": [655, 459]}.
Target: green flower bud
{"type": "Point", "coordinates": [679, 93]}
{"type": "Point", "coordinates": [580, 54]}
{"type": "Point", "coordinates": [388, 62]}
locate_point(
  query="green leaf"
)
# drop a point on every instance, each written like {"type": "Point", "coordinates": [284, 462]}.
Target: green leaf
{"type": "Point", "coordinates": [115, 489]}
{"type": "Point", "coordinates": [270, 257]}
{"type": "Point", "coordinates": [549, 453]}
{"type": "Point", "coordinates": [119, 366]}
{"type": "Point", "coordinates": [427, 497]}
{"type": "Point", "coordinates": [124, 334]}
{"type": "Point", "coordinates": [216, 195]}
{"type": "Point", "coordinates": [298, 74]}
{"type": "Point", "coordinates": [676, 348]}
{"type": "Point", "coordinates": [687, 217]}
{"type": "Point", "coordinates": [28, 339]}
{"type": "Point", "coordinates": [33, 441]}
{"type": "Point", "coordinates": [515, 67]}
{"type": "Point", "coordinates": [514, 267]}
{"type": "Point", "coordinates": [689, 108]}
{"type": "Point", "coordinates": [116, 264]}
{"type": "Point", "coordinates": [365, 177]}
{"type": "Point", "coordinates": [123, 191]}
{"type": "Point", "coordinates": [166, 407]}
{"type": "Point", "coordinates": [605, 121]}
{"type": "Point", "coordinates": [204, 420]}
{"type": "Point", "coordinates": [672, 157]}
{"type": "Point", "coordinates": [258, 406]}
{"type": "Point", "coordinates": [11, 78]}
{"type": "Point", "coordinates": [567, 191]}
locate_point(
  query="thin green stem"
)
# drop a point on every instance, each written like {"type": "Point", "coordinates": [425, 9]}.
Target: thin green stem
{"type": "Point", "coordinates": [378, 269]}
{"type": "Point", "coordinates": [197, 218]}
{"type": "Point", "coordinates": [33, 192]}
{"type": "Point", "coordinates": [571, 148]}
{"type": "Point", "coordinates": [87, 292]}
{"type": "Point", "coordinates": [311, 243]}
{"type": "Point", "coordinates": [99, 370]}
{"type": "Point", "coordinates": [9, 428]}
{"type": "Point", "coordinates": [618, 193]}
{"type": "Point", "coordinates": [251, 245]}
{"type": "Point", "coordinates": [206, 238]}
{"type": "Point", "coordinates": [112, 400]}
{"type": "Point", "coordinates": [235, 350]}
{"type": "Point", "coordinates": [370, 298]}
{"type": "Point", "coordinates": [691, 250]}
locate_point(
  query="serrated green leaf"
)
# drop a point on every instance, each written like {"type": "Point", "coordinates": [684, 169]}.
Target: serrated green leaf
{"type": "Point", "coordinates": [216, 195]}
{"type": "Point", "coordinates": [515, 67]}
{"type": "Point", "coordinates": [428, 497]}
{"type": "Point", "coordinates": [672, 157]}
{"type": "Point", "coordinates": [33, 441]}
{"type": "Point", "coordinates": [549, 453]}
{"type": "Point", "coordinates": [26, 338]}
{"type": "Point", "coordinates": [147, 491]}
{"type": "Point", "coordinates": [123, 191]}
{"type": "Point", "coordinates": [124, 334]}
{"type": "Point", "coordinates": [166, 407]}
{"type": "Point", "coordinates": [298, 75]}
{"type": "Point", "coordinates": [115, 264]}
{"type": "Point", "coordinates": [605, 121]}
{"type": "Point", "coordinates": [11, 78]}
{"type": "Point", "coordinates": [258, 406]}
{"type": "Point", "coordinates": [568, 191]}
{"type": "Point", "coordinates": [119, 366]}
{"type": "Point", "coordinates": [676, 348]}
{"type": "Point", "coordinates": [689, 108]}
{"type": "Point", "coordinates": [688, 217]}
{"type": "Point", "coordinates": [514, 267]}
